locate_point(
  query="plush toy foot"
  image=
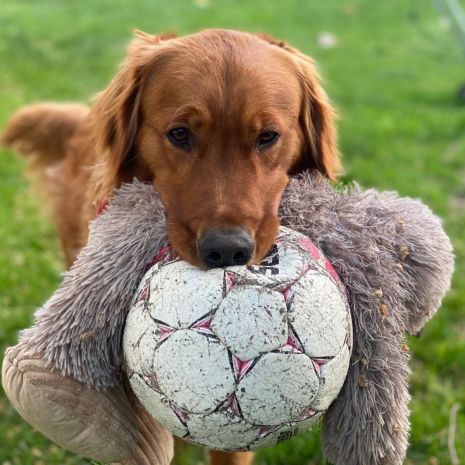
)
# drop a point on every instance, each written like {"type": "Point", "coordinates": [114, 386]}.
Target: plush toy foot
{"type": "Point", "coordinates": [155, 445]}
{"type": "Point", "coordinates": [103, 425]}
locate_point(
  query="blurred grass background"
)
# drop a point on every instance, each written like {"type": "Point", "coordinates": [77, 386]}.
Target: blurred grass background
{"type": "Point", "coordinates": [391, 68]}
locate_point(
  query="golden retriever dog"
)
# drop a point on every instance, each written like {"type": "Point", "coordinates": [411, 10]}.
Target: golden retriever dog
{"type": "Point", "coordinates": [216, 121]}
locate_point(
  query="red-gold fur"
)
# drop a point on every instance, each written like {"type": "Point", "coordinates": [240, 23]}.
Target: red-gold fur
{"type": "Point", "coordinates": [226, 87]}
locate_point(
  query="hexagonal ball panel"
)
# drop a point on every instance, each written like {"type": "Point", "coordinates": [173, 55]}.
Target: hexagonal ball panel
{"type": "Point", "coordinates": [251, 321]}
{"type": "Point", "coordinates": [181, 294]}
{"type": "Point", "coordinates": [157, 405]}
{"type": "Point", "coordinates": [319, 314]}
{"type": "Point", "coordinates": [194, 371]}
{"type": "Point", "coordinates": [277, 389]}
{"type": "Point", "coordinates": [221, 430]}
{"type": "Point", "coordinates": [332, 377]}
{"type": "Point", "coordinates": [283, 265]}
{"type": "Point", "coordinates": [283, 433]}
{"type": "Point", "coordinates": [140, 338]}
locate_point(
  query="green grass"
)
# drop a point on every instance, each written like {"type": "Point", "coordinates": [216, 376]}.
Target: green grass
{"type": "Point", "coordinates": [393, 75]}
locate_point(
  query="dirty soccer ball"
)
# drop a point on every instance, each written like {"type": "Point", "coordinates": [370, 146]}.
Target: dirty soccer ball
{"type": "Point", "coordinates": [242, 357]}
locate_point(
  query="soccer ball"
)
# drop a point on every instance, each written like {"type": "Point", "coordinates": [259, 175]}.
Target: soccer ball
{"type": "Point", "coordinates": [242, 357]}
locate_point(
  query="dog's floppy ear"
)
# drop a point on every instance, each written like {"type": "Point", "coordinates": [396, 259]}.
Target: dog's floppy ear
{"type": "Point", "coordinates": [115, 116]}
{"type": "Point", "coordinates": [316, 118]}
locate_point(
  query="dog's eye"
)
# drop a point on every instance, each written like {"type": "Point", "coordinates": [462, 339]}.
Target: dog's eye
{"type": "Point", "coordinates": [267, 139]}
{"type": "Point", "coordinates": [180, 137]}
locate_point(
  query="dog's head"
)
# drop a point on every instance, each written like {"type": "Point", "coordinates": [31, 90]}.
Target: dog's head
{"type": "Point", "coordinates": [218, 121]}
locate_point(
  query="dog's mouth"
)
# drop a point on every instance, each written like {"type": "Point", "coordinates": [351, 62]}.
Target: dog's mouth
{"type": "Point", "coordinates": [219, 247]}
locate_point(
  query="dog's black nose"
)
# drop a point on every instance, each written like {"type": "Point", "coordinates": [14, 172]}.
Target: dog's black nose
{"type": "Point", "coordinates": [225, 247]}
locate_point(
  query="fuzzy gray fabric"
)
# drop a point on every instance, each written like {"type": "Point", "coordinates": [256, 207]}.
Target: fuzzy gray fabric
{"type": "Point", "coordinates": [391, 253]}
{"type": "Point", "coordinates": [79, 330]}
{"type": "Point", "coordinates": [396, 262]}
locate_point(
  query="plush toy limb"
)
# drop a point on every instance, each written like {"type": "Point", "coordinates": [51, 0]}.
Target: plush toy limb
{"type": "Point", "coordinates": [155, 445]}
{"type": "Point", "coordinates": [96, 424]}
{"type": "Point", "coordinates": [103, 425]}
{"type": "Point", "coordinates": [426, 257]}
{"type": "Point", "coordinates": [79, 329]}
{"type": "Point", "coordinates": [368, 424]}
{"type": "Point", "coordinates": [391, 254]}
{"type": "Point", "coordinates": [396, 262]}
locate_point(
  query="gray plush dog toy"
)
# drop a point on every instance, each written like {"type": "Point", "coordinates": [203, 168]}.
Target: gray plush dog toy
{"type": "Point", "coordinates": [391, 253]}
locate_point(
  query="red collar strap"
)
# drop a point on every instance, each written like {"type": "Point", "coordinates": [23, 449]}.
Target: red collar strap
{"type": "Point", "coordinates": [101, 206]}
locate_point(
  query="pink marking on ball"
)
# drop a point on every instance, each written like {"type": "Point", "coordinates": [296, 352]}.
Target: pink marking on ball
{"type": "Point", "coordinates": [308, 246]}
{"type": "Point", "coordinates": [183, 416]}
{"type": "Point", "coordinates": [234, 404]}
{"type": "Point", "coordinates": [230, 279]}
{"type": "Point", "coordinates": [306, 414]}
{"type": "Point", "coordinates": [164, 255]}
{"type": "Point", "coordinates": [318, 363]}
{"type": "Point", "coordinates": [286, 294]}
{"type": "Point", "coordinates": [241, 367]}
{"type": "Point", "coordinates": [165, 331]}
{"type": "Point", "coordinates": [329, 267]}
{"type": "Point", "coordinates": [289, 348]}
{"type": "Point", "coordinates": [144, 294]}
{"type": "Point", "coordinates": [152, 381]}
{"type": "Point", "coordinates": [203, 323]}
{"type": "Point", "coordinates": [206, 331]}
{"type": "Point", "coordinates": [293, 342]}
{"type": "Point", "coordinates": [266, 430]}
{"type": "Point", "coordinates": [317, 367]}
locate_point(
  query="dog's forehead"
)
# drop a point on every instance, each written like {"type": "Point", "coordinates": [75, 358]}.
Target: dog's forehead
{"type": "Point", "coordinates": [224, 72]}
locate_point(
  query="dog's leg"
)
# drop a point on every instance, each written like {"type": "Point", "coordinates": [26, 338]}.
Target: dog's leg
{"type": "Point", "coordinates": [230, 458]}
